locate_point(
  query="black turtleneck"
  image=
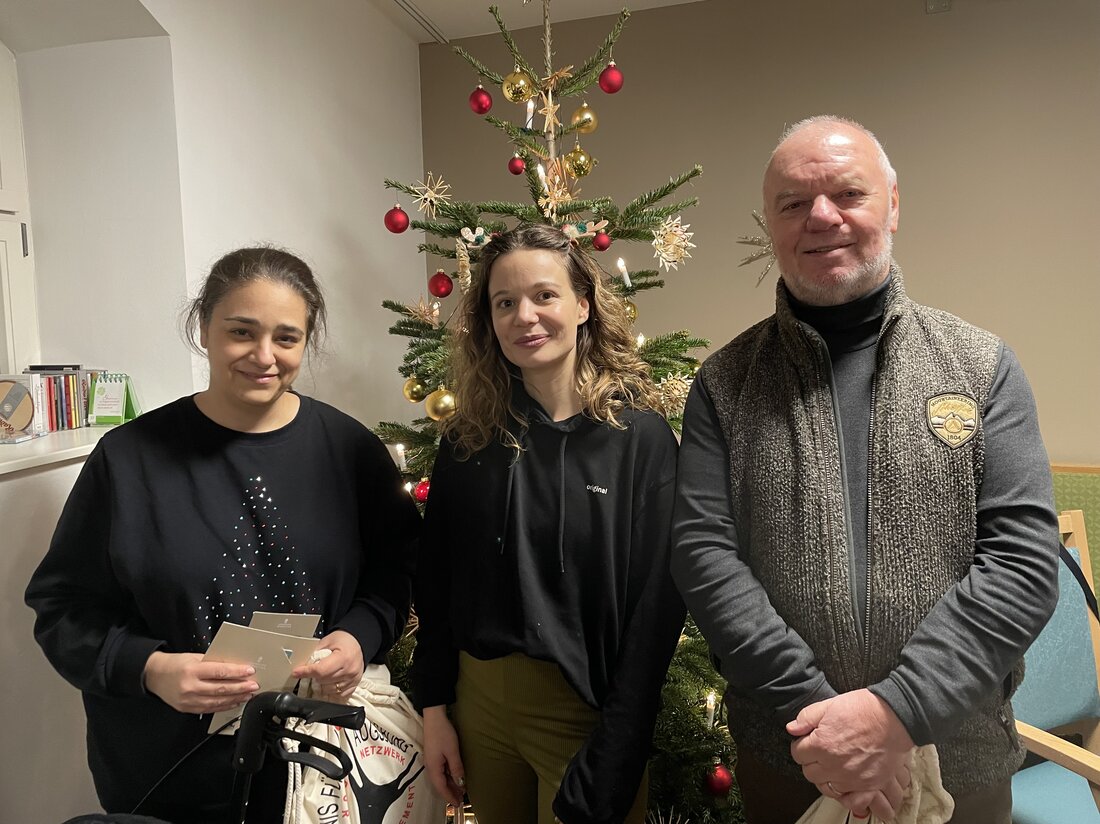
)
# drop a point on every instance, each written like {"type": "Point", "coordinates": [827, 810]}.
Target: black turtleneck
{"type": "Point", "coordinates": [850, 332]}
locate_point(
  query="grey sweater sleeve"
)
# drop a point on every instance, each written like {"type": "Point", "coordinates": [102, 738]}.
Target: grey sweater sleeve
{"type": "Point", "coordinates": [969, 642]}
{"type": "Point", "coordinates": [759, 654]}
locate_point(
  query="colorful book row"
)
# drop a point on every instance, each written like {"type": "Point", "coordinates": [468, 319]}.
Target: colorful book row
{"type": "Point", "coordinates": [39, 402]}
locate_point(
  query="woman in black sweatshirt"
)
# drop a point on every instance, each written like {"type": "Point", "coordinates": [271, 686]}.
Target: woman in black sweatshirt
{"type": "Point", "coordinates": [245, 496]}
{"type": "Point", "coordinates": [547, 612]}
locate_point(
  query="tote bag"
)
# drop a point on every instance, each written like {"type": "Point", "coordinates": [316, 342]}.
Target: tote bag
{"type": "Point", "coordinates": [387, 783]}
{"type": "Point", "coordinates": [925, 802]}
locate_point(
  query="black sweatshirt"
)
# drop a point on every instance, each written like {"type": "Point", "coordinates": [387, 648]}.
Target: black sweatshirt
{"type": "Point", "coordinates": [1014, 510]}
{"type": "Point", "coordinates": [177, 524]}
{"type": "Point", "coordinates": [563, 556]}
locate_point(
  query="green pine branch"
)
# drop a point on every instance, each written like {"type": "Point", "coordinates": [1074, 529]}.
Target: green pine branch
{"type": "Point", "coordinates": [594, 205]}
{"type": "Point", "coordinates": [645, 286]}
{"type": "Point", "coordinates": [461, 212]}
{"type": "Point", "coordinates": [521, 211]}
{"type": "Point", "coordinates": [390, 432]}
{"type": "Point", "coordinates": [478, 66]}
{"type": "Point", "coordinates": [421, 442]}
{"type": "Point", "coordinates": [397, 306]}
{"type": "Point", "coordinates": [424, 348]}
{"type": "Point", "coordinates": [670, 353]}
{"type": "Point", "coordinates": [429, 363]}
{"type": "Point", "coordinates": [517, 55]}
{"type": "Point", "coordinates": [397, 185]}
{"type": "Point", "coordinates": [565, 131]}
{"type": "Point", "coordinates": [656, 215]}
{"type": "Point", "coordinates": [687, 746]}
{"type": "Point", "coordinates": [608, 212]}
{"type": "Point", "coordinates": [653, 196]}
{"type": "Point", "coordinates": [437, 250]}
{"type": "Point", "coordinates": [589, 71]}
{"type": "Point", "coordinates": [410, 328]}
{"type": "Point", "coordinates": [497, 207]}
{"type": "Point", "coordinates": [520, 137]}
{"type": "Point", "coordinates": [416, 329]}
{"type": "Point", "coordinates": [621, 232]}
{"type": "Point", "coordinates": [438, 228]}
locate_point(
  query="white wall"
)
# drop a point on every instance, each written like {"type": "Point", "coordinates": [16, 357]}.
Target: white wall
{"type": "Point", "coordinates": [290, 115]}
{"type": "Point", "coordinates": [99, 127]}
{"type": "Point", "coordinates": [43, 765]}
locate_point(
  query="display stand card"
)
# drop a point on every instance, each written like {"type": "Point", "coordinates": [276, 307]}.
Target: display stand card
{"type": "Point", "coordinates": [112, 400]}
{"type": "Point", "coordinates": [273, 654]}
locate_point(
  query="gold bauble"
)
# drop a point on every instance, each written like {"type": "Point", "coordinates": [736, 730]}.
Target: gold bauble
{"type": "Point", "coordinates": [579, 162]}
{"type": "Point", "coordinates": [413, 390]}
{"type": "Point", "coordinates": [518, 87]}
{"type": "Point", "coordinates": [631, 310]}
{"type": "Point", "coordinates": [440, 404]}
{"type": "Point", "coordinates": [585, 119]}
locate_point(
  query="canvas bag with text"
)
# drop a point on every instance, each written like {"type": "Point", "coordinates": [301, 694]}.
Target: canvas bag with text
{"type": "Point", "coordinates": [387, 783]}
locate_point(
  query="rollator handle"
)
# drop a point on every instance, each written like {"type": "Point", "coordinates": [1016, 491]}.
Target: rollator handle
{"type": "Point", "coordinates": [261, 726]}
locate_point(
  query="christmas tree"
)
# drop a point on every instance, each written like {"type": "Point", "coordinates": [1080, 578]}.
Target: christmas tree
{"type": "Point", "coordinates": [689, 777]}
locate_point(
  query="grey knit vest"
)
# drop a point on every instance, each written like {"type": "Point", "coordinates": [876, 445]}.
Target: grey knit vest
{"type": "Point", "coordinates": [775, 407]}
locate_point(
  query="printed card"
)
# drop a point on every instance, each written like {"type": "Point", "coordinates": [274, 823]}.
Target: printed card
{"type": "Point", "coordinates": [273, 654]}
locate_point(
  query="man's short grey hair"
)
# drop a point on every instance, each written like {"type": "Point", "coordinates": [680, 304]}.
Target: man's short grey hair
{"type": "Point", "coordinates": [825, 119]}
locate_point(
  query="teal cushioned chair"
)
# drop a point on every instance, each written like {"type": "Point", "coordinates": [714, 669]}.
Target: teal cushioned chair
{"type": "Point", "coordinates": [1060, 696]}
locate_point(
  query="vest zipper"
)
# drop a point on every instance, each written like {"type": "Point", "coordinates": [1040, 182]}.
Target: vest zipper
{"type": "Point", "coordinates": [1008, 727]}
{"type": "Point", "coordinates": [870, 521]}
{"type": "Point", "coordinates": [886, 325]}
{"type": "Point", "coordinates": [821, 355]}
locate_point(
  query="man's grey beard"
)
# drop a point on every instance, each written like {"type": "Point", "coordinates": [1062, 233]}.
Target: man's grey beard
{"type": "Point", "coordinates": [857, 283]}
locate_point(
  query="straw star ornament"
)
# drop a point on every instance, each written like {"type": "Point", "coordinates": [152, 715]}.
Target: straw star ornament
{"type": "Point", "coordinates": [430, 195]}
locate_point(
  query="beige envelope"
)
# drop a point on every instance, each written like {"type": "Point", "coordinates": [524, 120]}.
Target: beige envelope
{"type": "Point", "coordinates": [273, 654]}
{"type": "Point", "coordinates": [288, 623]}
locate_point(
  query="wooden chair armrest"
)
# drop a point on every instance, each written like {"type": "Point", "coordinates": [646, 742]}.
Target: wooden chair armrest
{"type": "Point", "coordinates": [1062, 752]}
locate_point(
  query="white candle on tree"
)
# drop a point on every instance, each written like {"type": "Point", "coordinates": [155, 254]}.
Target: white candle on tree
{"type": "Point", "coordinates": [622, 271]}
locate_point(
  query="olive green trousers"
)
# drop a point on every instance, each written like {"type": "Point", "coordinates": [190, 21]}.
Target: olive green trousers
{"type": "Point", "coordinates": [519, 724]}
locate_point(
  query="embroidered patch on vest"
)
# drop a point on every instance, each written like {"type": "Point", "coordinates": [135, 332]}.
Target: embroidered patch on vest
{"type": "Point", "coordinates": [953, 418]}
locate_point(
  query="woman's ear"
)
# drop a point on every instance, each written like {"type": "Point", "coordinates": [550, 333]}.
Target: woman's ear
{"type": "Point", "coordinates": [582, 310]}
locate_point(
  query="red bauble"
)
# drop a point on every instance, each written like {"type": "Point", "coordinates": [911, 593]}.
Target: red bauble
{"type": "Point", "coordinates": [480, 101]}
{"type": "Point", "coordinates": [719, 780]}
{"type": "Point", "coordinates": [611, 78]}
{"type": "Point", "coordinates": [601, 242]}
{"type": "Point", "coordinates": [440, 284]}
{"type": "Point", "coordinates": [420, 492]}
{"type": "Point", "coordinates": [516, 165]}
{"type": "Point", "coordinates": [397, 221]}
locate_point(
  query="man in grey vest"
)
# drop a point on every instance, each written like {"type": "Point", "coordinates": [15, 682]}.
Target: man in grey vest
{"type": "Point", "coordinates": [865, 529]}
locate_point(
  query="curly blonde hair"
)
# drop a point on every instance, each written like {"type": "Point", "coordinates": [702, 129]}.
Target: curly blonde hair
{"type": "Point", "coordinates": [610, 376]}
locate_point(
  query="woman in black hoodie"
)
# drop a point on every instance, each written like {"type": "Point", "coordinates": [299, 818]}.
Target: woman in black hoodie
{"type": "Point", "coordinates": [547, 612]}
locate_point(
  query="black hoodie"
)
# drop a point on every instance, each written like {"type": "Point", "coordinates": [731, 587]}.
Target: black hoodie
{"type": "Point", "coordinates": [562, 555]}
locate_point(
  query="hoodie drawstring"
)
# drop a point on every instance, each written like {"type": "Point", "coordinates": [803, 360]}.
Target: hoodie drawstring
{"type": "Point", "coordinates": [561, 502]}
{"type": "Point", "coordinates": [507, 504]}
